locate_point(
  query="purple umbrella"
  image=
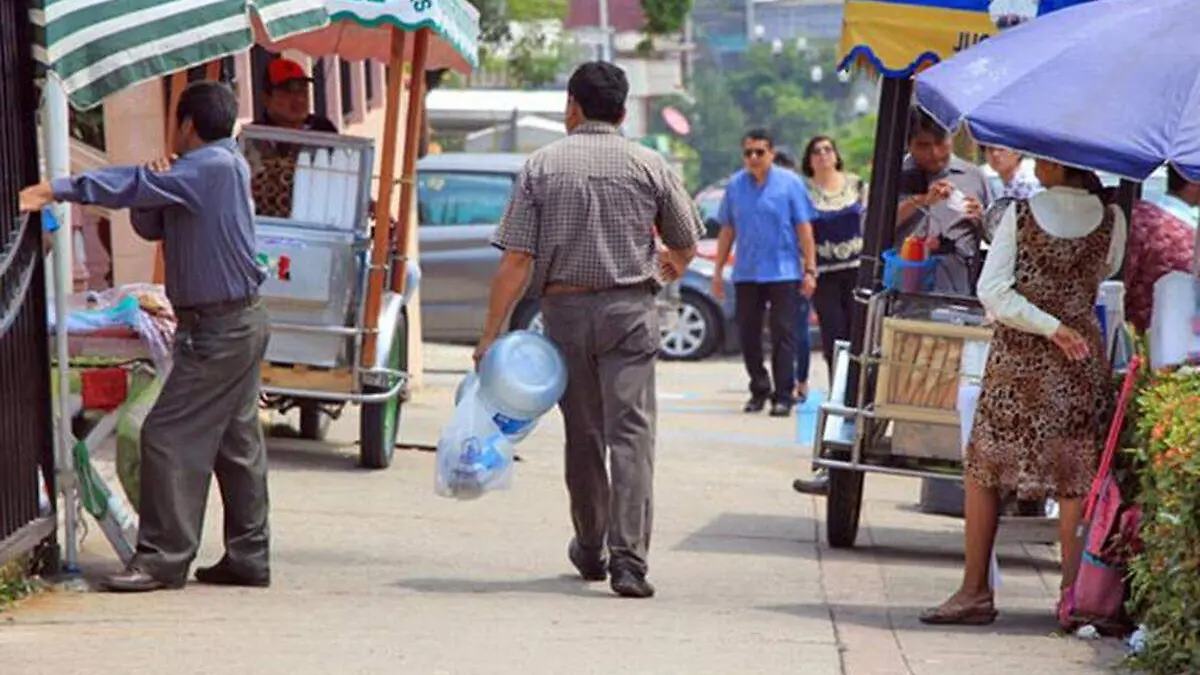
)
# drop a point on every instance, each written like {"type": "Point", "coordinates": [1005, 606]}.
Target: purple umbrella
{"type": "Point", "coordinates": [1112, 85]}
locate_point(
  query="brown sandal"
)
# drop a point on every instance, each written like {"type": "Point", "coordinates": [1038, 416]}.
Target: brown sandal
{"type": "Point", "coordinates": [951, 613]}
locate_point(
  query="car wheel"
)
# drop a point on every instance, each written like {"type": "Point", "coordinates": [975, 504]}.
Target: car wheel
{"type": "Point", "coordinates": [697, 331]}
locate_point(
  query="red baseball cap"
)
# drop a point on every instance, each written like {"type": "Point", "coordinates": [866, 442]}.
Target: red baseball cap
{"type": "Point", "coordinates": [281, 71]}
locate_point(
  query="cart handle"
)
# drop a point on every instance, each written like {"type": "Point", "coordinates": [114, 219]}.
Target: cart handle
{"type": "Point", "coordinates": [341, 396]}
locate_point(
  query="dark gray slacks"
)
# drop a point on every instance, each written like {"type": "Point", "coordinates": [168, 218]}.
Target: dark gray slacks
{"type": "Point", "coordinates": [610, 340]}
{"type": "Point", "coordinates": [204, 422]}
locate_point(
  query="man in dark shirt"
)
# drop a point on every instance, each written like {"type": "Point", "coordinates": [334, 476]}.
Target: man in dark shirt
{"type": "Point", "coordinates": [942, 198]}
{"type": "Point", "coordinates": [287, 99]}
{"type": "Point", "coordinates": [206, 418]}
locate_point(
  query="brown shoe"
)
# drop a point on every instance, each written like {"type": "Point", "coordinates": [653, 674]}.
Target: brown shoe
{"type": "Point", "coordinates": [134, 580]}
{"type": "Point", "coordinates": [956, 613]}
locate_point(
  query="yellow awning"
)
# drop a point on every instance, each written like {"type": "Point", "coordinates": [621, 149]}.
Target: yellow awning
{"type": "Point", "coordinates": [897, 38]}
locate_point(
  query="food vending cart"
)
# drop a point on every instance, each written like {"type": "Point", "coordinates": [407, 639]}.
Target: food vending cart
{"type": "Point", "coordinates": [894, 404]}
{"type": "Point", "coordinates": [339, 282]}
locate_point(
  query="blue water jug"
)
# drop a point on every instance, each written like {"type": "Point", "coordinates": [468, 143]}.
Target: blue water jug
{"type": "Point", "coordinates": [521, 377]}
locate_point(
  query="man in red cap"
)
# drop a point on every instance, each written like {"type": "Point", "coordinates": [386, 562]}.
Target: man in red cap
{"type": "Point", "coordinates": [287, 95]}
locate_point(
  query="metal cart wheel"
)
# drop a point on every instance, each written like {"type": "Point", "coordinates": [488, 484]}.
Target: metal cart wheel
{"type": "Point", "coordinates": [843, 507]}
{"type": "Point", "coordinates": [379, 423]}
{"type": "Point", "coordinates": [314, 422]}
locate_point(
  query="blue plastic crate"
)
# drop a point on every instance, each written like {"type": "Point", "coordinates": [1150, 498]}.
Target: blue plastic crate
{"type": "Point", "coordinates": [908, 277]}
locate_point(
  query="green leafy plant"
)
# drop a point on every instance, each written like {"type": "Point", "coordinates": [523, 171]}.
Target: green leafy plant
{"type": "Point", "coordinates": [14, 583]}
{"type": "Point", "coordinates": [1166, 576]}
{"type": "Point", "coordinates": [664, 17]}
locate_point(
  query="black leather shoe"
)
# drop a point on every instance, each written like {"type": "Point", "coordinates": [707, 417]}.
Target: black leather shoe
{"type": "Point", "coordinates": [134, 580]}
{"type": "Point", "coordinates": [591, 567]}
{"type": "Point", "coordinates": [781, 409]}
{"type": "Point", "coordinates": [222, 574]}
{"type": "Point", "coordinates": [818, 484]}
{"type": "Point", "coordinates": [755, 405]}
{"type": "Point", "coordinates": [630, 584]}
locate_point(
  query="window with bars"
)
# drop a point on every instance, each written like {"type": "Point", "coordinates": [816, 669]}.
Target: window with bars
{"type": "Point", "coordinates": [369, 79]}
{"type": "Point", "coordinates": [346, 82]}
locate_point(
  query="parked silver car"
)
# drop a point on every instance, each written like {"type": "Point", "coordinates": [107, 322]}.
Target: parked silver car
{"type": "Point", "coordinates": [460, 199]}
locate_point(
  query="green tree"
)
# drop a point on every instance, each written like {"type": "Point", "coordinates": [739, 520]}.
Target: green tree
{"type": "Point", "coordinates": [856, 141]}
{"type": "Point", "coordinates": [776, 89]}
{"type": "Point", "coordinates": [537, 10]}
{"type": "Point", "coordinates": [535, 60]}
{"type": "Point", "coordinates": [716, 129]}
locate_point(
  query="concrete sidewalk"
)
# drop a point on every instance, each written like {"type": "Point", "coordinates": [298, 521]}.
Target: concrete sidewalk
{"type": "Point", "coordinates": [373, 573]}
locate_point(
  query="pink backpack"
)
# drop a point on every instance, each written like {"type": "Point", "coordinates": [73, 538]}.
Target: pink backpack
{"type": "Point", "coordinates": [1098, 595]}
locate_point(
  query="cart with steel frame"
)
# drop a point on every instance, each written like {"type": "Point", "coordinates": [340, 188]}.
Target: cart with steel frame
{"type": "Point", "coordinates": [903, 418]}
{"type": "Point", "coordinates": [339, 274]}
{"type": "Point", "coordinates": [315, 240]}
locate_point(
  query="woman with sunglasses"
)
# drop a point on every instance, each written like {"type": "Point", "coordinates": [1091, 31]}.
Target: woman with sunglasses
{"type": "Point", "coordinates": [839, 199]}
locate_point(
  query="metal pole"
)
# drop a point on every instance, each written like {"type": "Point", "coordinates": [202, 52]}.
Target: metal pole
{"type": "Point", "coordinates": [751, 33]}
{"type": "Point", "coordinates": [880, 228]}
{"type": "Point", "coordinates": [606, 46]}
{"type": "Point", "coordinates": [56, 130]}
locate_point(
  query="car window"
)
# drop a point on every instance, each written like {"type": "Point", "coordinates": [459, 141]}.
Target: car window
{"type": "Point", "coordinates": [462, 197]}
{"type": "Point", "coordinates": [709, 204]}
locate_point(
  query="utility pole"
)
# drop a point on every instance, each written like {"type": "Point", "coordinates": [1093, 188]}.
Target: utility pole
{"type": "Point", "coordinates": [751, 23]}
{"type": "Point", "coordinates": [606, 46]}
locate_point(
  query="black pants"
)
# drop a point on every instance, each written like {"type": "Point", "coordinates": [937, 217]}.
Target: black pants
{"type": "Point", "coordinates": [752, 302]}
{"type": "Point", "coordinates": [834, 304]}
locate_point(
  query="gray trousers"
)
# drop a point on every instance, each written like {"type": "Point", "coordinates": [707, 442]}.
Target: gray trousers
{"type": "Point", "coordinates": [610, 340]}
{"type": "Point", "coordinates": [204, 422]}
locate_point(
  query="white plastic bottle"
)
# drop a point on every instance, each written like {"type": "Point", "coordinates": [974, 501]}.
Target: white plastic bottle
{"type": "Point", "coordinates": [521, 377]}
{"type": "Point", "coordinates": [320, 187]}
{"type": "Point", "coordinates": [302, 187]}
{"type": "Point", "coordinates": [335, 208]}
{"type": "Point", "coordinates": [350, 202]}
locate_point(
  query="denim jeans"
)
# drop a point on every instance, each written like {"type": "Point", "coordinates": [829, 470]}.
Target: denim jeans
{"type": "Point", "coordinates": [803, 346]}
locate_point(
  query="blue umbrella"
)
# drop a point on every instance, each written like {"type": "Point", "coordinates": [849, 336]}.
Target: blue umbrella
{"type": "Point", "coordinates": [1111, 85]}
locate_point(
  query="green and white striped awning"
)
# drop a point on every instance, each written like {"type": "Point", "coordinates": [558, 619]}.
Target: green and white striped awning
{"type": "Point", "coordinates": [99, 47]}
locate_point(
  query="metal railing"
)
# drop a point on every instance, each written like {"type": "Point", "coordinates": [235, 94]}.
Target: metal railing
{"type": "Point", "coordinates": [26, 433]}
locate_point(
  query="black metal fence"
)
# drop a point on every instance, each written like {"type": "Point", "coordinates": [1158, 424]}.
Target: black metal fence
{"type": "Point", "coordinates": [26, 434]}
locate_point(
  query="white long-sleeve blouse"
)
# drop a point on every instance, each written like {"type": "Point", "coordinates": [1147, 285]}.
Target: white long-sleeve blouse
{"type": "Point", "coordinates": [1067, 213]}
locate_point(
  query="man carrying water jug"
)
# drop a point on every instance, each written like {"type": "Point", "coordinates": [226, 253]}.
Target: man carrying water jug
{"type": "Point", "coordinates": [580, 221]}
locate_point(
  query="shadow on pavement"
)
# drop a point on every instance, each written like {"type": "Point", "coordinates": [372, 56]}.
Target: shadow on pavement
{"type": "Point", "coordinates": [922, 554]}
{"type": "Point", "coordinates": [905, 618]}
{"type": "Point", "coordinates": [564, 584]}
{"type": "Point", "coordinates": [752, 533]}
{"type": "Point", "coordinates": [299, 455]}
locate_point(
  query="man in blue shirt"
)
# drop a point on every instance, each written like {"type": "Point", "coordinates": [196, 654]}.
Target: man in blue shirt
{"type": "Point", "coordinates": [766, 212]}
{"type": "Point", "coordinates": [205, 420]}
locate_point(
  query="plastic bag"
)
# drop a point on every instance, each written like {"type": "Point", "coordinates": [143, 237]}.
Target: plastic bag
{"type": "Point", "coordinates": [129, 437]}
{"type": "Point", "coordinates": [124, 314]}
{"type": "Point", "coordinates": [473, 455]}
{"type": "Point", "coordinates": [471, 380]}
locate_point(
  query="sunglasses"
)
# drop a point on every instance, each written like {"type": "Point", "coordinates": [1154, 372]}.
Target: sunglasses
{"type": "Point", "coordinates": [824, 150]}
{"type": "Point", "coordinates": [753, 152]}
{"type": "Point", "coordinates": [293, 87]}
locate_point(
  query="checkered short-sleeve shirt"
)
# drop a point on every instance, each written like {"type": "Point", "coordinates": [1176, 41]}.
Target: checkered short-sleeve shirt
{"type": "Point", "coordinates": [587, 208]}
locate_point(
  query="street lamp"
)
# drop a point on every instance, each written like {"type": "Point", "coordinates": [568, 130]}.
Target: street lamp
{"type": "Point", "coordinates": [777, 46]}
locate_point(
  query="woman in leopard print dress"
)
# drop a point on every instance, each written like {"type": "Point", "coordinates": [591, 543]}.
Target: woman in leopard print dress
{"type": "Point", "coordinates": [1046, 388]}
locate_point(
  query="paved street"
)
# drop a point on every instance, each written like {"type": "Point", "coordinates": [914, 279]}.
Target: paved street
{"type": "Point", "coordinates": [373, 573]}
